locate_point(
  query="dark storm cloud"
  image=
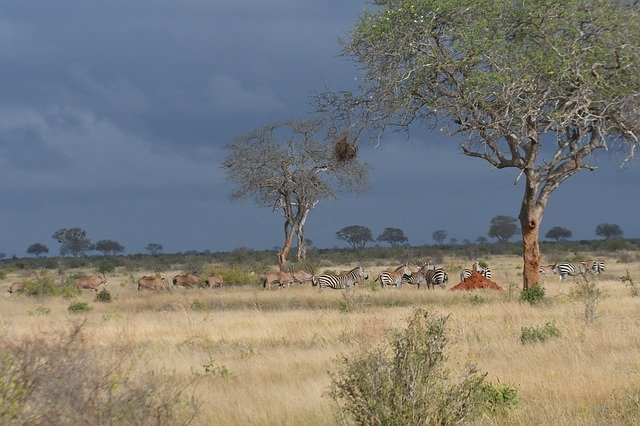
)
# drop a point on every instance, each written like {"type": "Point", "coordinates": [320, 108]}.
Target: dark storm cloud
{"type": "Point", "coordinates": [114, 114]}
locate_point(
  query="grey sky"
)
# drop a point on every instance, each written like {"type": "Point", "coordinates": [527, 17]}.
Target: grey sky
{"type": "Point", "coordinates": [113, 115]}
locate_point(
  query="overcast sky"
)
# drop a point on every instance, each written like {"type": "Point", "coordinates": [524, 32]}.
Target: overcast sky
{"type": "Point", "coordinates": [114, 115]}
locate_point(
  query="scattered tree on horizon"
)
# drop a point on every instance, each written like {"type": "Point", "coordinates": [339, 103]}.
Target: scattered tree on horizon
{"type": "Point", "coordinates": [510, 77]}
{"type": "Point", "coordinates": [356, 235]}
{"type": "Point", "coordinates": [37, 249]}
{"type": "Point", "coordinates": [439, 236]}
{"type": "Point", "coordinates": [558, 233]}
{"type": "Point", "coordinates": [503, 228]}
{"type": "Point", "coordinates": [154, 248]}
{"type": "Point", "coordinates": [393, 236]}
{"type": "Point", "coordinates": [482, 240]}
{"type": "Point", "coordinates": [290, 167]}
{"type": "Point", "coordinates": [109, 247]}
{"type": "Point", "coordinates": [608, 230]}
{"type": "Point", "coordinates": [72, 241]}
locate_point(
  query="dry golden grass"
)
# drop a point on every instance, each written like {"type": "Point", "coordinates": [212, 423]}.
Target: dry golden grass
{"type": "Point", "coordinates": [263, 356]}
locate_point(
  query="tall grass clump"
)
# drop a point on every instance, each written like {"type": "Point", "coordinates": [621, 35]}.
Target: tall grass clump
{"type": "Point", "coordinates": [407, 382]}
{"type": "Point", "coordinates": [533, 295]}
{"type": "Point", "coordinates": [99, 385]}
{"type": "Point", "coordinates": [587, 293]}
{"type": "Point", "coordinates": [542, 333]}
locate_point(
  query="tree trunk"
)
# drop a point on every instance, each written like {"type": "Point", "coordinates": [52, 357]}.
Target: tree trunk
{"type": "Point", "coordinates": [530, 218]}
{"type": "Point", "coordinates": [288, 240]}
{"type": "Point", "coordinates": [302, 245]}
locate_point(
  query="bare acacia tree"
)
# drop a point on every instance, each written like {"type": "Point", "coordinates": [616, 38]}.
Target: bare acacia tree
{"type": "Point", "coordinates": [537, 86]}
{"type": "Point", "coordinates": [289, 166]}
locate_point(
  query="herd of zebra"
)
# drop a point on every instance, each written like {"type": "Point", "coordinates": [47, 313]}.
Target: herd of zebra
{"type": "Point", "coordinates": [432, 276]}
{"type": "Point", "coordinates": [565, 269]}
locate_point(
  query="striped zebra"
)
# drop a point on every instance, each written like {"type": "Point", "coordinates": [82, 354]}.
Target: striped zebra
{"type": "Point", "coordinates": [595, 266]}
{"type": "Point", "coordinates": [436, 276]}
{"type": "Point", "coordinates": [466, 273]}
{"type": "Point", "coordinates": [566, 268]}
{"type": "Point", "coordinates": [394, 278]}
{"type": "Point", "coordinates": [485, 272]}
{"type": "Point", "coordinates": [545, 270]}
{"type": "Point", "coordinates": [342, 281]}
{"type": "Point", "coordinates": [418, 276]}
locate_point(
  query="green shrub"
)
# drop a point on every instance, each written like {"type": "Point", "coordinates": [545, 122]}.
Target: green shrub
{"type": "Point", "coordinates": [532, 295]}
{"type": "Point", "coordinates": [103, 296]}
{"type": "Point", "coordinates": [406, 383]}
{"type": "Point", "coordinates": [197, 305]}
{"type": "Point", "coordinates": [45, 285]}
{"type": "Point", "coordinates": [540, 334]}
{"type": "Point", "coordinates": [477, 300]}
{"type": "Point", "coordinates": [79, 306]}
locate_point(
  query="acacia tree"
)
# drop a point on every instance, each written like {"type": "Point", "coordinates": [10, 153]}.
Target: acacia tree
{"type": "Point", "coordinates": [154, 248]}
{"type": "Point", "coordinates": [73, 241]}
{"type": "Point", "coordinates": [608, 230]}
{"type": "Point", "coordinates": [439, 236]}
{"type": "Point", "coordinates": [356, 235]}
{"type": "Point", "coordinates": [558, 233]}
{"type": "Point", "coordinates": [38, 249]}
{"type": "Point", "coordinates": [503, 228]}
{"type": "Point", "coordinates": [393, 236]}
{"type": "Point", "coordinates": [537, 86]}
{"type": "Point", "coordinates": [290, 167]}
{"type": "Point", "coordinates": [108, 247]}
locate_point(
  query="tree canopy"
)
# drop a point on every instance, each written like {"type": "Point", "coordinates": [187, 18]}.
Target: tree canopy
{"type": "Point", "coordinates": [537, 86]}
{"type": "Point", "coordinates": [37, 249]}
{"type": "Point", "coordinates": [558, 233]}
{"type": "Point", "coordinates": [503, 228]}
{"type": "Point", "coordinates": [439, 236]}
{"type": "Point", "coordinates": [393, 236]}
{"type": "Point", "coordinates": [608, 230]}
{"type": "Point", "coordinates": [356, 235]}
{"type": "Point", "coordinates": [109, 247]}
{"type": "Point", "coordinates": [73, 241]}
{"type": "Point", "coordinates": [290, 166]}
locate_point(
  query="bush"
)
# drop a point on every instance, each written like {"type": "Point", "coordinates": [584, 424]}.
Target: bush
{"type": "Point", "coordinates": [103, 296]}
{"type": "Point", "coordinates": [232, 275]}
{"type": "Point", "coordinates": [100, 384]}
{"type": "Point", "coordinates": [532, 295]}
{"type": "Point", "coordinates": [408, 384]}
{"type": "Point", "coordinates": [44, 284]}
{"type": "Point", "coordinates": [540, 334]}
{"type": "Point", "coordinates": [77, 307]}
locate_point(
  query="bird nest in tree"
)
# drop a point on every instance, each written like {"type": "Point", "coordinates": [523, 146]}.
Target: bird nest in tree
{"type": "Point", "coordinates": [345, 151]}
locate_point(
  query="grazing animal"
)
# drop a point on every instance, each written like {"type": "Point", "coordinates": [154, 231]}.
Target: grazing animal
{"type": "Point", "coordinates": [186, 280]}
{"type": "Point", "coordinates": [418, 276]}
{"type": "Point", "coordinates": [436, 276]}
{"type": "Point", "coordinates": [485, 272]}
{"type": "Point", "coordinates": [595, 266]}
{"type": "Point", "coordinates": [466, 273]}
{"type": "Point", "coordinates": [545, 270]}
{"type": "Point", "coordinates": [302, 277]}
{"type": "Point", "coordinates": [566, 268]}
{"type": "Point", "coordinates": [15, 288]}
{"type": "Point", "coordinates": [152, 283]}
{"type": "Point", "coordinates": [90, 282]}
{"type": "Point", "coordinates": [214, 281]}
{"type": "Point", "coordinates": [281, 278]}
{"type": "Point", "coordinates": [394, 278]}
{"type": "Point", "coordinates": [342, 281]}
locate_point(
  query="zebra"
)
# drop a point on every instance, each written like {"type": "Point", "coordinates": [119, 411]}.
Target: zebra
{"type": "Point", "coordinates": [394, 278]}
{"type": "Point", "coordinates": [485, 272]}
{"type": "Point", "coordinates": [419, 276]}
{"type": "Point", "coordinates": [566, 268]}
{"type": "Point", "coordinates": [595, 266]}
{"type": "Point", "coordinates": [466, 273]}
{"type": "Point", "coordinates": [342, 281]}
{"type": "Point", "coordinates": [436, 276]}
{"type": "Point", "coordinates": [545, 270]}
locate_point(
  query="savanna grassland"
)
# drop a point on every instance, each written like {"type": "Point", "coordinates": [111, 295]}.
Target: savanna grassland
{"type": "Point", "coordinates": [250, 356]}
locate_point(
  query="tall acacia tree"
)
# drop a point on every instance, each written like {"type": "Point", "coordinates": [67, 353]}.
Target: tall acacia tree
{"type": "Point", "coordinates": [537, 86]}
{"type": "Point", "coordinates": [290, 166]}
